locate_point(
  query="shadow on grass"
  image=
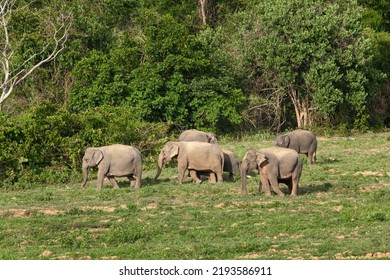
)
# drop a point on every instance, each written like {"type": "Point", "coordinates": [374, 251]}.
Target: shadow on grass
{"type": "Point", "coordinates": [328, 160]}
{"type": "Point", "coordinates": [315, 188]}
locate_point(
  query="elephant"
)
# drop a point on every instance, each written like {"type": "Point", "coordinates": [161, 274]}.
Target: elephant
{"type": "Point", "coordinates": [194, 156]}
{"type": "Point", "coordinates": [113, 161]}
{"type": "Point", "coordinates": [231, 165]}
{"type": "Point", "coordinates": [197, 135]}
{"type": "Point", "coordinates": [275, 165]}
{"type": "Point", "coordinates": [302, 141]}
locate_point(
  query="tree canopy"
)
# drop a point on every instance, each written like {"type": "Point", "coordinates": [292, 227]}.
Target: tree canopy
{"type": "Point", "coordinates": [222, 65]}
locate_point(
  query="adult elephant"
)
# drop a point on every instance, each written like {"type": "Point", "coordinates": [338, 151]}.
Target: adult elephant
{"type": "Point", "coordinates": [302, 141]}
{"type": "Point", "coordinates": [197, 135]}
{"type": "Point", "coordinates": [113, 161]}
{"type": "Point", "coordinates": [275, 165]}
{"type": "Point", "coordinates": [194, 156]}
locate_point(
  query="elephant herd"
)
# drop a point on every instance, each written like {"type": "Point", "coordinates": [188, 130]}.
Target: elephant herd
{"type": "Point", "coordinates": [199, 153]}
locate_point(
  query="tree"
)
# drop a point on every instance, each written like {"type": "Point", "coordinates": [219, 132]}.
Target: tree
{"type": "Point", "coordinates": [181, 80]}
{"type": "Point", "coordinates": [17, 65]}
{"type": "Point", "coordinates": [315, 52]}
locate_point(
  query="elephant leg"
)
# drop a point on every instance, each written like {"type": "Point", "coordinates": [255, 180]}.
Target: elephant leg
{"type": "Point", "coordinates": [275, 186]}
{"type": "Point", "coordinates": [265, 183]}
{"type": "Point", "coordinates": [295, 185]}
{"type": "Point", "coordinates": [219, 177]}
{"type": "Point", "coordinates": [137, 182]}
{"type": "Point", "coordinates": [113, 182]}
{"type": "Point", "coordinates": [295, 178]}
{"type": "Point", "coordinates": [294, 191]}
{"type": "Point", "coordinates": [180, 173]}
{"type": "Point", "coordinates": [194, 176]}
{"type": "Point", "coordinates": [100, 179]}
{"type": "Point", "coordinates": [310, 154]}
{"type": "Point", "coordinates": [212, 178]}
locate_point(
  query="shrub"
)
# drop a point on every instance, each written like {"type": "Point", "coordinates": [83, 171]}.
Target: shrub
{"type": "Point", "coordinates": [46, 144]}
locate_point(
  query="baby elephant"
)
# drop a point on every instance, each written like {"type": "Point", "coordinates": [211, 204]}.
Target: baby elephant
{"type": "Point", "coordinates": [302, 141]}
{"type": "Point", "coordinates": [231, 163]}
{"type": "Point", "coordinates": [275, 165]}
{"type": "Point", "coordinates": [113, 161]}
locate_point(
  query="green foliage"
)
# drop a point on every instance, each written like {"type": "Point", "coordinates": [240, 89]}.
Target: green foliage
{"type": "Point", "coordinates": [47, 143]}
{"type": "Point", "coordinates": [319, 50]}
{"type": "Point", "coordinates": [179, 81]}
{"type": "Point", "coordinates": [233, 72]}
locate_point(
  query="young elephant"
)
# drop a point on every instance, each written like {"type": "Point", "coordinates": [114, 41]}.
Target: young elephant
{"type": "Point", "coordinates": [275, 165]}
{"type": "Point", "coordinates": [113, 161]}
{"type": "Point", "coordinates": [194, 156]}
{"type": "Point", "coordinates": [302, 141]}
{"type": "Point", "coordinates": [197, 135]}
{"type": "Point", "coordinates": [231, 165]}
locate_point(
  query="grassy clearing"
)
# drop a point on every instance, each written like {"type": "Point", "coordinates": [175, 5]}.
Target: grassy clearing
{"type": "Point", "coordinates": [342, 213]}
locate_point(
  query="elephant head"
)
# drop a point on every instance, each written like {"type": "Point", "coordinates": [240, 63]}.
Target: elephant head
{"type": "Point", "coordinates": [168, 152]}
{"type": "Point", "coordinates": [92, 158]}
{"type": "Point", "coordinates": [211, 138]}
{"type": "Point", "coordinates": [252, 160]}
{"type": "Point", "coordinates": [282, 141]}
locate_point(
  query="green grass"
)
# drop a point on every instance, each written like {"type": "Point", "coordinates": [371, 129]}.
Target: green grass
{"type": "Point", "coordinates": [342, 212]}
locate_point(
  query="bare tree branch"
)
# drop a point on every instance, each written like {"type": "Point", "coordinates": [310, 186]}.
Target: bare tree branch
{"type": "Point", "coordinates": [12, 77]}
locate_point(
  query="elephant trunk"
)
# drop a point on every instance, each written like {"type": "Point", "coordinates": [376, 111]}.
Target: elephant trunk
{"type": "Point", "coordinates": [244, 170]}
{"type": "Point", "coordinates": [159, 165]}
{"type": "Point", "coordinates": [85, 176]}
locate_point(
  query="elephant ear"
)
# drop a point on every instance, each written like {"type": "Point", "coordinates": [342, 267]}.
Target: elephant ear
{"type": "Point", "coordinates": [211, 138]}
{"type": "Point", "coordinates": [261, 159]}
{"type": "Point", "coordinates": [174, 151]}
{"type": "Point", "coordinates": [97, 156]}
{"type": "Point", "coordinates": [286, 141]}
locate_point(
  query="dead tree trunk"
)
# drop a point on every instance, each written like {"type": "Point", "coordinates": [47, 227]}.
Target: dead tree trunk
{"type": "Point", "coordinates": [202, 11]}
{"type": "Point", "coordinates": [301, 107]}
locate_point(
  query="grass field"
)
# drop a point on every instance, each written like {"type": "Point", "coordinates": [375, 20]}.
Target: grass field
{"type": "Point", "coordinates": [342, 212]}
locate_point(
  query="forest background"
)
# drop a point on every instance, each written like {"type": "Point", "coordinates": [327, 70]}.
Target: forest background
{"type": "Point", "coordinates": [139, 72]}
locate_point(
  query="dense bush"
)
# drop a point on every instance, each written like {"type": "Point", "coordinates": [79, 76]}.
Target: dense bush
{"type": "Point", "coordinates": [46, 144]}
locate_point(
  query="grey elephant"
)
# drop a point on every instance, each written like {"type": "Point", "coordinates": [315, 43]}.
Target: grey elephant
{"type": "Point", "coordinates": [113, 161]}
{"type": "Point", "coordinates": [194, 156]}
{"type": "Point", "coordinates": [275, 165]}
{"type": "Point", "coordinates": [231, 165]}
{"type": "Point", "coordinates": [302, 141]}
{"type": "Point", "coordinates": [197, 135]}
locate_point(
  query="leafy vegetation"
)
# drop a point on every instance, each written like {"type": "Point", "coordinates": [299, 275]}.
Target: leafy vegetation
{"type": "Point", "coordinates": [296, 63]}
{"type": "Point", "coordinates": [342, 212]}
{"type": "Point", "coordinates": [46, 144]}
